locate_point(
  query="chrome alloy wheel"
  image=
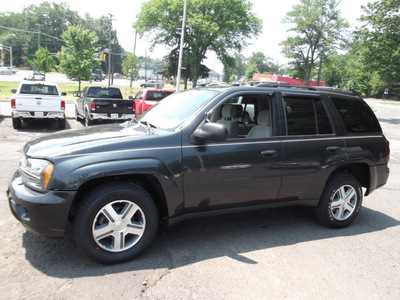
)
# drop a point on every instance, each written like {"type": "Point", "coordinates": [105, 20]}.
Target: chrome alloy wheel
{"type": "Point", "coordinates": [118, 226]}
{"type": "Point", "coordinates": [343, 202]}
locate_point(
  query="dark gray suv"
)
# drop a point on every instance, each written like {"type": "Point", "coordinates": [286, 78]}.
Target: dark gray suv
{"type": "Point", "coordinates": [199, 153]}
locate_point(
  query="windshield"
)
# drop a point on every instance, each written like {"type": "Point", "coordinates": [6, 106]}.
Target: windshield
{"type": "Point", "coordinates": [172, 111]}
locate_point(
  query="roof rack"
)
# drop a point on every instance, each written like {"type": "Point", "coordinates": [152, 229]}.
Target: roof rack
{"type": "Point", "coordinates": [304, 87]}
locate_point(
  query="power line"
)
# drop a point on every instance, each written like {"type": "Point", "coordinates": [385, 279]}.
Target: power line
{"type": "Point", "coordinates": [34, 32]}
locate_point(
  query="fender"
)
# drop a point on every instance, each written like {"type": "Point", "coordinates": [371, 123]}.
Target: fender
{"type": "Point", "coordinates": [168, 176]}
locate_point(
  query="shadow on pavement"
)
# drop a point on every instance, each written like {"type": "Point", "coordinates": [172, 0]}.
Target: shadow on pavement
{"type": "Point", "coordinates": [202, 239]}
{"type": "Point", "coordinates": [45, 126]}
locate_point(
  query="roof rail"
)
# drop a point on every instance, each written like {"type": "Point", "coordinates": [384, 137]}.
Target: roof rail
{"type": "Point", "coordinates": [304, 87]}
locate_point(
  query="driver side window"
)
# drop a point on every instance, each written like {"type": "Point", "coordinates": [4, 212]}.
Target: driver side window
{"type": "Point", "coordinates": [245, 116]}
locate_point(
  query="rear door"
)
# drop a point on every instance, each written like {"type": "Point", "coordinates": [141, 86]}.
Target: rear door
{"type": "Point", "coordinates": [311, 147]}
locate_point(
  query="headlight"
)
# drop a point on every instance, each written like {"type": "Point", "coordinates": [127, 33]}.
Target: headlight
{"type": "Point", "coordinates": [36, 173]}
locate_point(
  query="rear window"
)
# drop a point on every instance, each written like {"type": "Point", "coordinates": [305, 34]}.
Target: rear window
{"type": "Point", "coordinates": [357, 116]}
{"type": "Point", "coordinates": [157, 95]}
{"type": "Point", "coordinates": [104, 92]}
{"type": "Point", "coordinates": [39, 89]}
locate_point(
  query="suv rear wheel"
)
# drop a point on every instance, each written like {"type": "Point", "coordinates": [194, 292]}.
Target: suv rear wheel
{"type": "Point", "coordinates": [115, 222]}
{"type": "Point", "coordinates": [340, 202]}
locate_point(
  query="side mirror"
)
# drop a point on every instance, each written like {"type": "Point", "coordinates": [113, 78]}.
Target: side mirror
{"type": "Point", "coordinates": [14, 91]}
{"type": "Point", "coordinates": [130, 98]}
{"type": "Point", "coordinates": [77, 94]}
{"type": "Point", "coordinates": [63, 94]}
{"type": "Point", "coordinates": [214, 132]}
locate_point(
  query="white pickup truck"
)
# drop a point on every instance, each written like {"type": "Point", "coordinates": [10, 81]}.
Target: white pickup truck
{"type": "Point", "coordinates": [37, 100]}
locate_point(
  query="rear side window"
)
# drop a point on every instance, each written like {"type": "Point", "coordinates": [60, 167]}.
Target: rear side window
{"type": "Point", "coordinates": [356, 116]}
{"type": "Point", "coordinates": [306, 116]}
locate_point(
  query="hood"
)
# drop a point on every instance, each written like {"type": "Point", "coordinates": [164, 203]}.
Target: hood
{"type": "Point", "coordinates": [94, 139]}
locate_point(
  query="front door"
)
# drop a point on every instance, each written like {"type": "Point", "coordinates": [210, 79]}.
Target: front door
{"type": "Point", "coordinates": [240, 171]}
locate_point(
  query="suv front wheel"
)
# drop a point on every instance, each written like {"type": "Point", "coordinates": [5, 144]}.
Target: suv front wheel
{"type": "Point", "coordinates": [340, 202]}
{"type": "Point", "coordinates": [115, 222]}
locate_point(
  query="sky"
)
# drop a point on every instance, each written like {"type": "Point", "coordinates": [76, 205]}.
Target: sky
{"type": "Point", "coordinates": [124, 14]}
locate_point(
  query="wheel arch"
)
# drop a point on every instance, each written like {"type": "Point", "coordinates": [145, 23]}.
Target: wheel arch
{"type": "Point", "coordinates": [360, 171]}
{"type": "Point", "coordinates": [147, 182]}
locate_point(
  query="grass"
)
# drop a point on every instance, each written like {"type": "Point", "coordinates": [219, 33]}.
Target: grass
{"type": "Point", "coordinates": [69, 88]}
{"type": "Point", "coordinates": [390, 103]}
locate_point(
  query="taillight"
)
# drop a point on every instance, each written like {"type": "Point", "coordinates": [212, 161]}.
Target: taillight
{"type": "Point", "coordinates": [62, 105]}
{"type": "Point", "coordinates": [92, 106]}
{"type": "Point", "coordinates": [12, 103]}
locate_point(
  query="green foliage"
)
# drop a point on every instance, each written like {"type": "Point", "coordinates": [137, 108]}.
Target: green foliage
{"type": "Point", "coordinates": [232, 78]}
{"type": "Point", "coordinates": [239, 68]}
{"type": "Point", "coordinates": [43, 61]}
{"type": "Point", "coordinates": [77, 58]}
{"type": "Point", "coordinates": [51, 19]}
{"type": "Point", "coordinates": [221, 26]}
{"type": "Point", "coordinates": [349, 73]}
{"type": "Point", "coordinates": [380, 38]}
{"type": "Point", "coordinates": [129, 67]}
{"type": "Point", "coordinates": [251, 70]}
{"type": "Point", "coordinates": [264, 63]}
{"type": "Point", "coordinates": [318, 29]}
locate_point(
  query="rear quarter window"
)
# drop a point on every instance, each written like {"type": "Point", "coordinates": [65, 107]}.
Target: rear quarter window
{"type": "Point", "coordinates": [357, 116]}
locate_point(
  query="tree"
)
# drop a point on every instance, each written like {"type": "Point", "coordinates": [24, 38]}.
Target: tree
{"type": "Point", "coordinates": [263, 63]}
{"type": "Point", "coordinates": [318, 28]}
{"type": "Point", "coordinates": [51, 19]}
{"type": "Point", "coordinates": [78, 57]}
{"type": "Point", "coordinates": [43, 61]}
{"type": "Point", "coordinates": [251, 70]}
{"type": "Point", "coordinates": [380, 36]}
{"type": "Point", "coordinates": [130, 68]}
{"type": "Point", "coordinates": [350, 73]}
{"type": "Point", "coordinates": [222, 26]}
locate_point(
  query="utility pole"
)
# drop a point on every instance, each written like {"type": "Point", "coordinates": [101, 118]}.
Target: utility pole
{"type": "Point", "coordinates": [109, 51]}
{"type": "Point", "coordinates": [38, 43]}
{"type": "Point", "coordinates": [113, 56]}
{"type": "Point", "coordinates": [178, 76]}
{"type": "Point", "coordinates": [134, 45]}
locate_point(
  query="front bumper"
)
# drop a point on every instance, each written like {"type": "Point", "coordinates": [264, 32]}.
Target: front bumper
{"type": "Point", "coordinates": [46, 214]}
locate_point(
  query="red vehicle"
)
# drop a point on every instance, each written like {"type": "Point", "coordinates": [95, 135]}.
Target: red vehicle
{"type": "Point", "coordinates": [145, 99]}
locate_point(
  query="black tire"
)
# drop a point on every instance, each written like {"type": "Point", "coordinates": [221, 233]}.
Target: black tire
{"type": "Point", "coordinates": [340, 202]}
{"type": "Point", "coordinates": [88, 121]}
{"type": "Point", "coordinates": [77, 116]}
{"type": "Point", "coordinates": [17, 123]}
{"type": "Point", "coordinates": [113, 208]}
{"type": "Point", "coordinates": [61, 123]}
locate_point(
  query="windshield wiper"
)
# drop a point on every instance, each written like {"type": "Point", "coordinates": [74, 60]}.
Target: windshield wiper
{"type": "Point", "coordinates": [149, 126]}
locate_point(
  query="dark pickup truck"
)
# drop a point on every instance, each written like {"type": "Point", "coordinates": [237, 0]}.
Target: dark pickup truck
{"type": "Point", "coordinates": [98, 103]}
